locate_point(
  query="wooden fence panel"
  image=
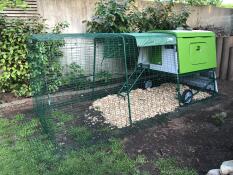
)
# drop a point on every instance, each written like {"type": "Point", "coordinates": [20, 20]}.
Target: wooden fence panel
{"type": "Point", "coordinates": [225, 58]}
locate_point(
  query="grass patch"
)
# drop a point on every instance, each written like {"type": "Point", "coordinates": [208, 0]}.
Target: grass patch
{"type": "Point", "coordinates": [56, 122]}
{"type": "Point", "coordinates": [62, 117]}
{"type": "Point", "coordinates": [99, 160]}
{"type": "Point", "coordinates": [81, 135]}
{"type": "Point", "coordinates": [170, 167]}
{"type": "Point", "coordinates": [21, 152]}
{"type": "Point", "coordinates": [26, 150]}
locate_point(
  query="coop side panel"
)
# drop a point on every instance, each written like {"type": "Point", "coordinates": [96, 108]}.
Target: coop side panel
{"type": "Point", "coordinates": [168, 62]}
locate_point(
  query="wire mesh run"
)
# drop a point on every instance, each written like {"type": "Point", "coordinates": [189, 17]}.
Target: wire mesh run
{"type": "Point", "coordinates": [107, 78]}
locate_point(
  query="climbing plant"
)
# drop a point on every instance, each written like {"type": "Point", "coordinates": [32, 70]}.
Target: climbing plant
{"type": "Point", "coordinates": [44, 63]}
{"type": "Point", "coordinates": [13, 54]}
{"type": "Point", "coordinates": [15, 69]}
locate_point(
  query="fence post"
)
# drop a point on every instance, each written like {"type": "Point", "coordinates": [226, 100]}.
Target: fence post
{"type": "Point", "coordinates": [230, 67]}
{"type": "Point", "coordinates": [127, 80]}
{"type": "Point", "coordinates": [94, 70]}
{"type": "Point", "coordinates": [219, 55]}
{"type": "Point", "coordinates": [228, 42]}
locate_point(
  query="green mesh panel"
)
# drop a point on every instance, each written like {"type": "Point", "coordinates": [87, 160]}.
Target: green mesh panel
{"type": "Point", "coordinates": [97, 77]}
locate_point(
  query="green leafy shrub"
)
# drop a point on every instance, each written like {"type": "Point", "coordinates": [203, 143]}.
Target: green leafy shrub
{"type": "Point", "coordinates": [160, 16]}
{"type": "Point", "coordinates": [103, 76]}
{"type": "Point", "coordinates": [15, 69]}
{"type": "Point", "coordinates": [75, 76]}
{"type": "Point", "coordinates": [111, 16]}
{"type": "Point", "coordinates": [114, 16]}
{"type": "Point", "coordinates": [14, 35]}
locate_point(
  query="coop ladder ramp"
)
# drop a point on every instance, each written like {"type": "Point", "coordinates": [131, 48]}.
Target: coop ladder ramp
{"type": "Point", "coordinates": [132, 80]}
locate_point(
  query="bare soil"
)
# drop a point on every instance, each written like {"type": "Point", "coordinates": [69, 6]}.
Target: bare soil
{"type": "Point", "coordinates": [11, 105]}
{"type": "Point", "coordinates": [8, 97]}
{"type": "Point", "coordinates": [190, 135]}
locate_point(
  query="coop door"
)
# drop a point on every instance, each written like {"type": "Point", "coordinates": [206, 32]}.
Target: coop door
{"type": "Point", "coordinates": [155, 55]}
{"type": "Point", "coordinates": [198, 53]}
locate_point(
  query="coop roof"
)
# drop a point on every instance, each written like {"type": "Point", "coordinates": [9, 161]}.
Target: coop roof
{"type": "Point", "coordinates": [186, 33]}
{"type": "Point", "coordinates": [48, 37]}
{"type": "Point", "coordinates": [143, 39]}
{"type": "Point", "coordinates": [153, 39]}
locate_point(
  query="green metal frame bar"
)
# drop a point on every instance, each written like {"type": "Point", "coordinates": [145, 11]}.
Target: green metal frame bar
{"type": "Point", "coordinates": [127, 80]}
{"type": "Point", "coordinates": [178, 89]}
{"type": "Point", "coordinates": [135, 81]}
{"type": "Point", "coordinates": [94, 70]}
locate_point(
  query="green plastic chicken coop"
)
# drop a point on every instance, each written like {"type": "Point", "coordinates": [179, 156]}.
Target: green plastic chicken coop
{"type": "Point", "coordinates": [72, 71]}
{"type": "Point", "coordinates": [180, 52]}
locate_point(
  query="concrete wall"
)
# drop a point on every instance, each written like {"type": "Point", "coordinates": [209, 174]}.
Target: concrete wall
{"type": "Point", "coordinates": [219, 17]}
{"type": "Point", "coordinates": [72, 11]}
{"type": "Point", "coordinates": [75, 11]}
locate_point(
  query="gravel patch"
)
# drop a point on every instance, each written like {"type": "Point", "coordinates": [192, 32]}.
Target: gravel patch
{"type": "Point", "coordinates": [144, 104]}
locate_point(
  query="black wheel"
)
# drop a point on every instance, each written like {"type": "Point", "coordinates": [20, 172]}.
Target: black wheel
{"type": "Point", "coordinates": [187, 96]}
{"type": "Point", "coordinates": [148, 84]}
